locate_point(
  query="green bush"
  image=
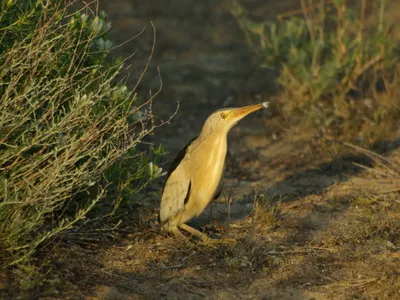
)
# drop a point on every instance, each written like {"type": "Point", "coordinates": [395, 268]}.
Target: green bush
{"type": "Point", "coordinates": [334, 69]}
{"type": "Point", "coordinates": [67, 121]}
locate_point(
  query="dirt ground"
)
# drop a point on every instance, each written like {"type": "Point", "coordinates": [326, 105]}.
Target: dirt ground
{"type": "Point", "coordinates": [303, 231]}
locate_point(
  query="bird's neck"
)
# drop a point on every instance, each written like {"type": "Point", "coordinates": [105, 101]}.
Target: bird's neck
{"type": "Point", "coordinates": [214, 137]}
{"type": "Point", "coordinates": [217, 135]}
{"type": "Point", "coordinates": [214, 148]}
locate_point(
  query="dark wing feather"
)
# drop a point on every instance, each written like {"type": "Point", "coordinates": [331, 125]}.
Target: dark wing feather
{"type": "Point", "coordinates": [188, 193]}
{"type": "Point", "coordinates": [178, 159]}
{"type": "Point", "coordinates": [176, 189]}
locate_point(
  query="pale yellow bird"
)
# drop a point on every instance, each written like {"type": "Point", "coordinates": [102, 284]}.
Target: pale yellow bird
{"type": "Point", "coordinates": [195, 176]}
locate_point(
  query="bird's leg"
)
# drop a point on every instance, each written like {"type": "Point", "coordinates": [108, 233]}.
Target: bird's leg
{"type": "Point", "coordinates": [195, 232]}
{"type": "Point", "coordinates": [205, 239]}
{"type": "Point", "coordinates": [184, 217]}
{"type": "Point", "coordinates": [177, 233]}
{"type": "Point", "coordinates": [179, 222]}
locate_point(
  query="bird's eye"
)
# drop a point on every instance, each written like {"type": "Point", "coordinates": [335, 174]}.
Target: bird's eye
{"type": "Point", "coordinates": [223, 115]}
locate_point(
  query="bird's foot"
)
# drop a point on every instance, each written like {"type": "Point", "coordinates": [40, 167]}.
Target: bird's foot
{"type": "Point", "coordinates": [181, 237]}
{"type": "Point", "coordinates": [205, 239]}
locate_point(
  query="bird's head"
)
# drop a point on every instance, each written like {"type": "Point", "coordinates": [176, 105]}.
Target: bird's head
{"type": "Point", "coordinates": [224, 119]}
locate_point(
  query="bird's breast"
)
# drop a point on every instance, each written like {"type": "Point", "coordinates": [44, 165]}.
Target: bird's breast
{"type": "Point", "coordinates": [207, 165]}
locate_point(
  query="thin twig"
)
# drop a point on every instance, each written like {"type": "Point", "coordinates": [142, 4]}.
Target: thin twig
{"type": "Point", "coordinates": [348, 285]}
{"type": "Point", "coordinates": [302, 10]}
{"type": "Point", "coordinates": [306, 251]}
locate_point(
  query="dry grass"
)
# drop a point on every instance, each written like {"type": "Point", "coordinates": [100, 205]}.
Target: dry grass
{"type": "Point", "coordinates": [338, 70]}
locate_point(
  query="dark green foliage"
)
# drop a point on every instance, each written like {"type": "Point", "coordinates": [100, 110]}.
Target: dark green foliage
{"type": "Point", "coordinates": [66, 118]}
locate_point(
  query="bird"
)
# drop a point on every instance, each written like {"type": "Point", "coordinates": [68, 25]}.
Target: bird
{"type": "Point", "coordinates": [195, 176]}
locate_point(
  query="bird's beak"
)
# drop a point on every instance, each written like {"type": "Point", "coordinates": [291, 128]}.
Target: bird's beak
{"type": "Point", "coordinates": [241, 112]}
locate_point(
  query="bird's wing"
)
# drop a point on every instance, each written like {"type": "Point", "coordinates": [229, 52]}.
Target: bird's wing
{"type": "Point", "coordinates": [177, 187]}
{"type": "Point", "coordinates": [178, 159]}
{"type": "Point", "coordinates": [176, 190]}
